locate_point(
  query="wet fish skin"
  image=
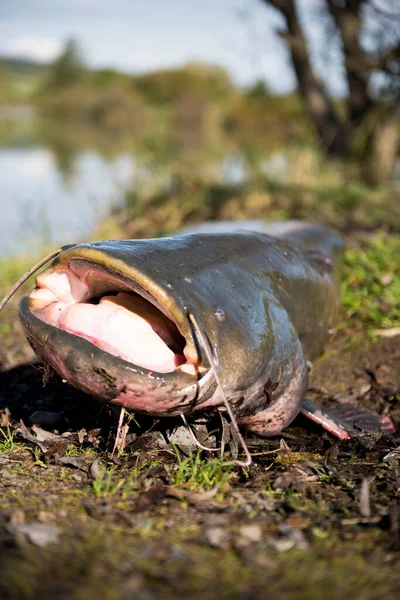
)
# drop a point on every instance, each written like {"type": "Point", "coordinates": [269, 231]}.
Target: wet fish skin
{"type": "Point", "coordinates": [267, 303]}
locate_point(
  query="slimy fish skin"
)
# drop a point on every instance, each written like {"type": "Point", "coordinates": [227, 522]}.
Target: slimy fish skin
{"type": "Point", "coordinates": [113, 318]}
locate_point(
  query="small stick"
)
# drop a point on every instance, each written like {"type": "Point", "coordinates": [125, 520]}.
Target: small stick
{"type": "Point", "coordinates": [26, 276]}
{"type": "Point", "coordinates": [119, 438]}
{"type": "Point", "coordinates": [207, 348]}
{"type": "Point", "coordinates": [267, 452]}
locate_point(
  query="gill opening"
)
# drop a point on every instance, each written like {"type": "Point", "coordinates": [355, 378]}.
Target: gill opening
{"type": "Point", "coordinates": [207, 349]}
{"type": "Point", "coordinates": [30, 272]}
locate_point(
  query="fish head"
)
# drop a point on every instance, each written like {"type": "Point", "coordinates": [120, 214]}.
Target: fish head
{"type": "Point", "coordinates": [111, 330]}
{"type": "Point", "coordinates": [112, 318]}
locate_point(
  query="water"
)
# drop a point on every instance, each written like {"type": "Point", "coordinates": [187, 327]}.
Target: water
{"type": "Point", "coordinates": [58, 181]}
{"type": "Point", "coordinates": [40, 205]}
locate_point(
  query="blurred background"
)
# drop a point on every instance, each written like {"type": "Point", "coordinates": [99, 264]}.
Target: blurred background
{"type": "Point", "coordinates": [130, 118]}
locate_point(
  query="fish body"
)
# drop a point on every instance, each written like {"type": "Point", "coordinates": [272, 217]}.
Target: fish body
{"type": "Point", "coordinates": [265, 295]}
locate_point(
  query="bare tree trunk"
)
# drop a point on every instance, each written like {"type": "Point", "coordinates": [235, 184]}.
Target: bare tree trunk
{"type": "Point", "coordinates": [339, 136]}
{"type": "Point", "coordinates": [382, 150]}
{"type": "Point", "coordinates": [357, 67]}
{"type": "Point", "coordinates": [331, 130]}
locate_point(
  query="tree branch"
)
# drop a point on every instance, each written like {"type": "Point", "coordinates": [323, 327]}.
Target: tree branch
{"type": "Point", "coordinates": [348, 21]}
{"type": "Point", "coordinates": [385, 61]}
{"type": "Point", "coordinates": [330, 128]}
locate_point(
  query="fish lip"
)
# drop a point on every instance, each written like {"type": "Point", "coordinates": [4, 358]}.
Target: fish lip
{"type": "Point", "coordinates": [95, 259]}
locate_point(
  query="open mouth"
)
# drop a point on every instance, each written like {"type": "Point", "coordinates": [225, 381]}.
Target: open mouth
{"type": "Point", "coordinates": [114, 313]}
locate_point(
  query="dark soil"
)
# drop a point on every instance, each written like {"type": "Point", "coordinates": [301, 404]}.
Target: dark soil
{"type": "Point", "coordinates": [311, 517]}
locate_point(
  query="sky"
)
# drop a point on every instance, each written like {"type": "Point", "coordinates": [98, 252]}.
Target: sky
{"type": "Point", "coordinates": [138, 35]}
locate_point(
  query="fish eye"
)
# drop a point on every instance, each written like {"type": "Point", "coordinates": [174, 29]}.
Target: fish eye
{"type": "Point", "coordinates": [219, 315]}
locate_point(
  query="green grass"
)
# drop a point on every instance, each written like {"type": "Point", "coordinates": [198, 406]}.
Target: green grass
{"type": "Point", "coordinates": [111, 481]}
{"type": "Point", "coordinates": [11, 270]}
{"type": "Point", "coordinates": [193, 472]}
{"type": "Point", "coordinates": [371, 283]}
{"type": "Point", "coordinates": [7, 440]}
{"type": "Point", "coordinates": [5, 328]}
{"type": "Point", "coordinates": [79, 450]}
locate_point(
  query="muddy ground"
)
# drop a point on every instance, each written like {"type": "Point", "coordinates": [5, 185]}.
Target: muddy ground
{"type": "Point", "coordinates": [312, 516]}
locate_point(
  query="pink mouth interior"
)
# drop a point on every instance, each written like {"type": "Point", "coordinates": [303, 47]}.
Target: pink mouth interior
{"type": "Point", "coordinates": [110, 316]}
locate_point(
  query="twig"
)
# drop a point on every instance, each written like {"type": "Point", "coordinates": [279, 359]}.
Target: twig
{"type": "Point", "coordinates": [119, 436]}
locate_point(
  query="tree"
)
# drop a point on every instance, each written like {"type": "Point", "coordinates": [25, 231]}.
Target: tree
{"type": "Point", "coordinates": [67, 69]}
{"type": "Point", "coordinates": [368, 33]}
{"type": "Point", "coordinates": [5, 80]}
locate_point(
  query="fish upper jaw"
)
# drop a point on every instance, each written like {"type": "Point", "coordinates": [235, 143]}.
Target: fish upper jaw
{"type": "Point", "coordinates": [121, 315]}
{"type": "Point", "coordinates": [87, 319]}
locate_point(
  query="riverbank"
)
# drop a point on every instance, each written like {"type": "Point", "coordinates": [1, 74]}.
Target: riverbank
{"type": "Point", "coordinates": [311, 517]}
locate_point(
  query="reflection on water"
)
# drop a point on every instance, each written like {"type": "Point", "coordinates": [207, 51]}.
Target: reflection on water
{"type": "Point", "coordinates": [58, 181]}
{"type": "Point", "coordinates": [39, 205]}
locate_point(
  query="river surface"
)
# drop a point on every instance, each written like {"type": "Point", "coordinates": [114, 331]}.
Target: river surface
{"type": "Point", "coordinates": [56, 185]}
{"type": "Point", "coordinates": [39, 205]}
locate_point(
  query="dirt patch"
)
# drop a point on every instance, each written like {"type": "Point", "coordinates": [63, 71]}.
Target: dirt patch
{"type": "Point", "coordinates": [312, 516]}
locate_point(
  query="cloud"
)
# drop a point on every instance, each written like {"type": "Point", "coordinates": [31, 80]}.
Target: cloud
{"type": "Point", "coordinates": [42, 49]}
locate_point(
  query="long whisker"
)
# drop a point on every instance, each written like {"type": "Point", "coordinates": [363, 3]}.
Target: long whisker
{"type": "Point", "coordinates": [26, 276]}
{"type": "Point", "coordinates": [194, 438]}
{"type": "Point", "coordinates": [207, 348]}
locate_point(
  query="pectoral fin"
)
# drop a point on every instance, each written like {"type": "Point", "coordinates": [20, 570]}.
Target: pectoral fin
{"type": "Point", "coordinates": [346, 420]}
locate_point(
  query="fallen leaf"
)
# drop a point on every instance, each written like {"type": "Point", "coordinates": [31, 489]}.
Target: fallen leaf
{"type": "Point", "coordinates": [95, 468]}
{"type": "Point", "coordinates": [73, 461]}
{"type": "Point", "coordinates": [152, 497]}
{"type": "Point", "coordinates": [218, 537]}
{"type": "Point", "coordinates": [29, 437]}
{"type": "Point", "coordinates": [5, 420]}
{"type": "Point", "coordinates": [251, 533]}
{"type": "Point", "coordinates": [39, 534]}
{"type": "Point", "coordinates": [45, 436]}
